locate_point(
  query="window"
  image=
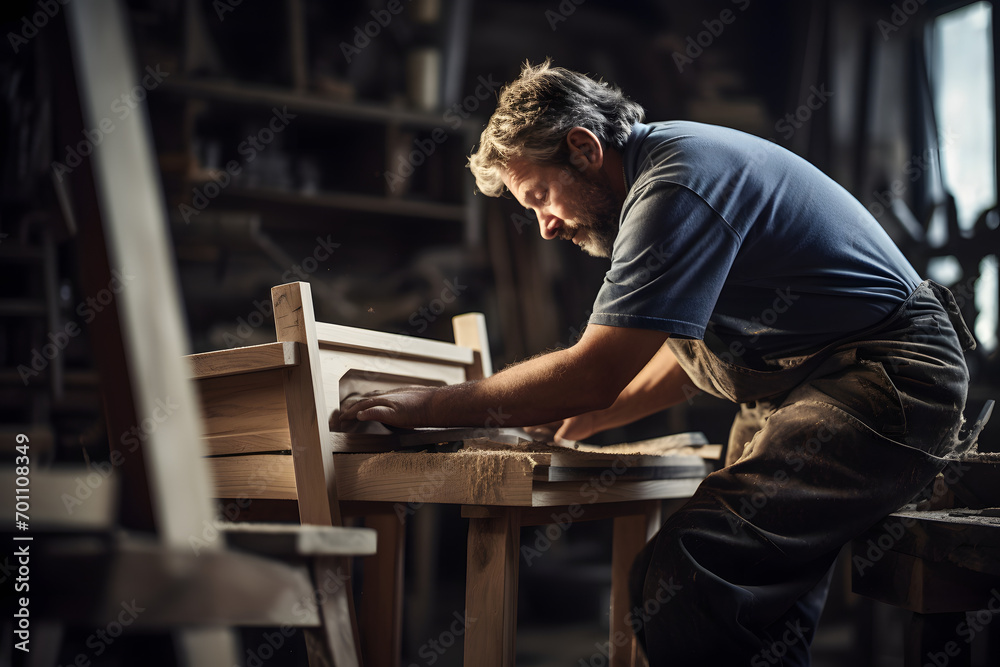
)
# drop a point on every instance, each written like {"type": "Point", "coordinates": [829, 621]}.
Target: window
{"type": "Point", "coordinates": [961, 67]}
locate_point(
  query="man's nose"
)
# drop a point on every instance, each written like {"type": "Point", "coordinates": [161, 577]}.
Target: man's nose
{"type": "Point", "coordinates": [548, 225]}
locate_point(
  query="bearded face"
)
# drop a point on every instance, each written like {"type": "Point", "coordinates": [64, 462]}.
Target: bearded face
{"type": "Point", "coordinates": [573, 205]}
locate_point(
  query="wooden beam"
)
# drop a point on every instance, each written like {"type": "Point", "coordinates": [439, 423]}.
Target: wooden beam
{"type": "Point", "coordinates": [470, 332]}
{"type": "Point", "coordinates": [243, 404]}
{"type": "Point", "coordinates": [491, 590]}
{"type": "Point", "coordinates": [464, 478]}
{"type": "Point", "coordinates": [282, 539]}
{"type": "Point", "coordinates": [264, 476]}
{"type": "Point", "coordinates": [249, 443]}
{"type": "Point", "coordinates": [243, 360]}
{"type": "Point", "coordinates": [396, 345]}
{"type": "Point", "coordinates": [569, 493]}
{"type": "Point", "coordinates": [308, 421]}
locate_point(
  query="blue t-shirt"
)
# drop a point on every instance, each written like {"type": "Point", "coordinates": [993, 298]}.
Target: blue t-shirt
{"type": "Point", "coordinates": [732, 239]}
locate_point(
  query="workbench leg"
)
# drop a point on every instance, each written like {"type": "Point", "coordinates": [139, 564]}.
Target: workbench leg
{"type": "Point", "coordinates": [630, 536]}
{"type": "Point", "coordinates": [491, 590]}
{"type": "Point", "coordinates": [381, 621]}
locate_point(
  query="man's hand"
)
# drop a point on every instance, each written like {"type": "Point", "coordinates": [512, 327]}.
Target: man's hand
{"type": "Point", "coordinates": [573, 428]}
{"type": "Point", "coordinates": [405, 407]}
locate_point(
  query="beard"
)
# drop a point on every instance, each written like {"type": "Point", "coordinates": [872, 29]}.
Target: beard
{"type": "Point", "coordinates": [596, 225]}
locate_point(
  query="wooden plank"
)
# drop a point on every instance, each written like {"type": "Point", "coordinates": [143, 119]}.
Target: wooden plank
{"type": "Point", "coordinates": [569, 493]}
{"type": "Point", "coordinates": [243, 360]}
{"type": "Point", "coordinates": [148, 304]}
{"type": "Point", "coordinates": [631, 533]}
{"type": "Point", "coordinates": [630, 474]}
{"type": "Point", "coordinates": [282, 539]}
{"type": "Point", "coordinates": [491, 590]}
{"type": "Point", "coordinates": [653, 446]}
{"type": "Point", "coordinates": [464, 478]}
{"type": "Point", "coordinates": [378, 442]}
{"type": "Point", "coordinates": [88, 583]}
{"type": "Point", "coordinates": [396, 345]}
{"type": "Point", "coordinates": [254, 476]}
{"type": "Point", "coordinates": [308, 417]}
{"type": "Point", "coordinates": [470, 332]}
{"type": "Point", "coordinates": [240, 404]}
{"type": "Point", "coordinates": [249, 443]}
{"type": "Point", "coordinates": [581, 459]}
{"type": "Point", "coordinates": [381, 618]}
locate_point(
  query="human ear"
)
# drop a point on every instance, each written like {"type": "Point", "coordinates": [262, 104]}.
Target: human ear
{"type": "Point", "coordinates": [585, 150]}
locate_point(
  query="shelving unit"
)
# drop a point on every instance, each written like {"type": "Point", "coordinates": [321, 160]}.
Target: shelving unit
{"type": "Point", "coordinates": [241, 218]}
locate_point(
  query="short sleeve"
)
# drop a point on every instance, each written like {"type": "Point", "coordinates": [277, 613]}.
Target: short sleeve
{"type": "Point", "coordinates": [668, 265]}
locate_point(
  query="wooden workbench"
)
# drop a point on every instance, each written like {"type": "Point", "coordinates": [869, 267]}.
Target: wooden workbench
{"type": "Point", "coordinates": [248, 399]}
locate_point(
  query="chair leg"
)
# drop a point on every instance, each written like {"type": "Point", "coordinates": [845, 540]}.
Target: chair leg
{"type": "Point", "coordinates": [491, 590]}
{"type": "Point", "coordinates": [335, 643]}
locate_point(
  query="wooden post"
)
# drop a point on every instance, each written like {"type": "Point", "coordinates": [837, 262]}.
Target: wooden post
{"type": "Point", "coordinates": [308, 423]}
{"type": "Point", "coordinates": [382, 594]}
{"type": "Point", "coordinates": [470, 331]}
{"type": "Point", "coordinates": [631, 533]}
{"type": "Point", "coordinates": [491, 590]}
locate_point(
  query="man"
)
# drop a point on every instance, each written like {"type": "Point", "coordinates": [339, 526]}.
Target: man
{"type": "Point", "coordinates": [741, 269]}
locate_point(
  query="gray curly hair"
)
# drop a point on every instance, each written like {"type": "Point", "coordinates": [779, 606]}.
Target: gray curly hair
{"type": "Point", "coordinates": [536, 112]}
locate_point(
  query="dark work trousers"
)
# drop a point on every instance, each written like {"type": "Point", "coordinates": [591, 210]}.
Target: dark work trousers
{"type": "Point", "coordinates": [825, 446]}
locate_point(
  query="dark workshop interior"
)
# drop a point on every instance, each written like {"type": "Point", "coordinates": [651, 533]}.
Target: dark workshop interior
{"type": "Point", "coordinates": [327, 143]}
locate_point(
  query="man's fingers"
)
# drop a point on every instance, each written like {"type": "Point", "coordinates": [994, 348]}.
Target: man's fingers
{"type": "Point", "coordinates": [380, 413]}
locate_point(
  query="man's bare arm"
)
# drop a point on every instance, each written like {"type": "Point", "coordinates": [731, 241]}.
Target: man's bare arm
{"type": "Point", "coordinates": [661, 384]}
{"type": "Point", "coordinates": [586, 377]}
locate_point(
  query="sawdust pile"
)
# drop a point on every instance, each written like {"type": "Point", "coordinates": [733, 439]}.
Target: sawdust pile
{"type": "Point", "coordinates": [480, 469]}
